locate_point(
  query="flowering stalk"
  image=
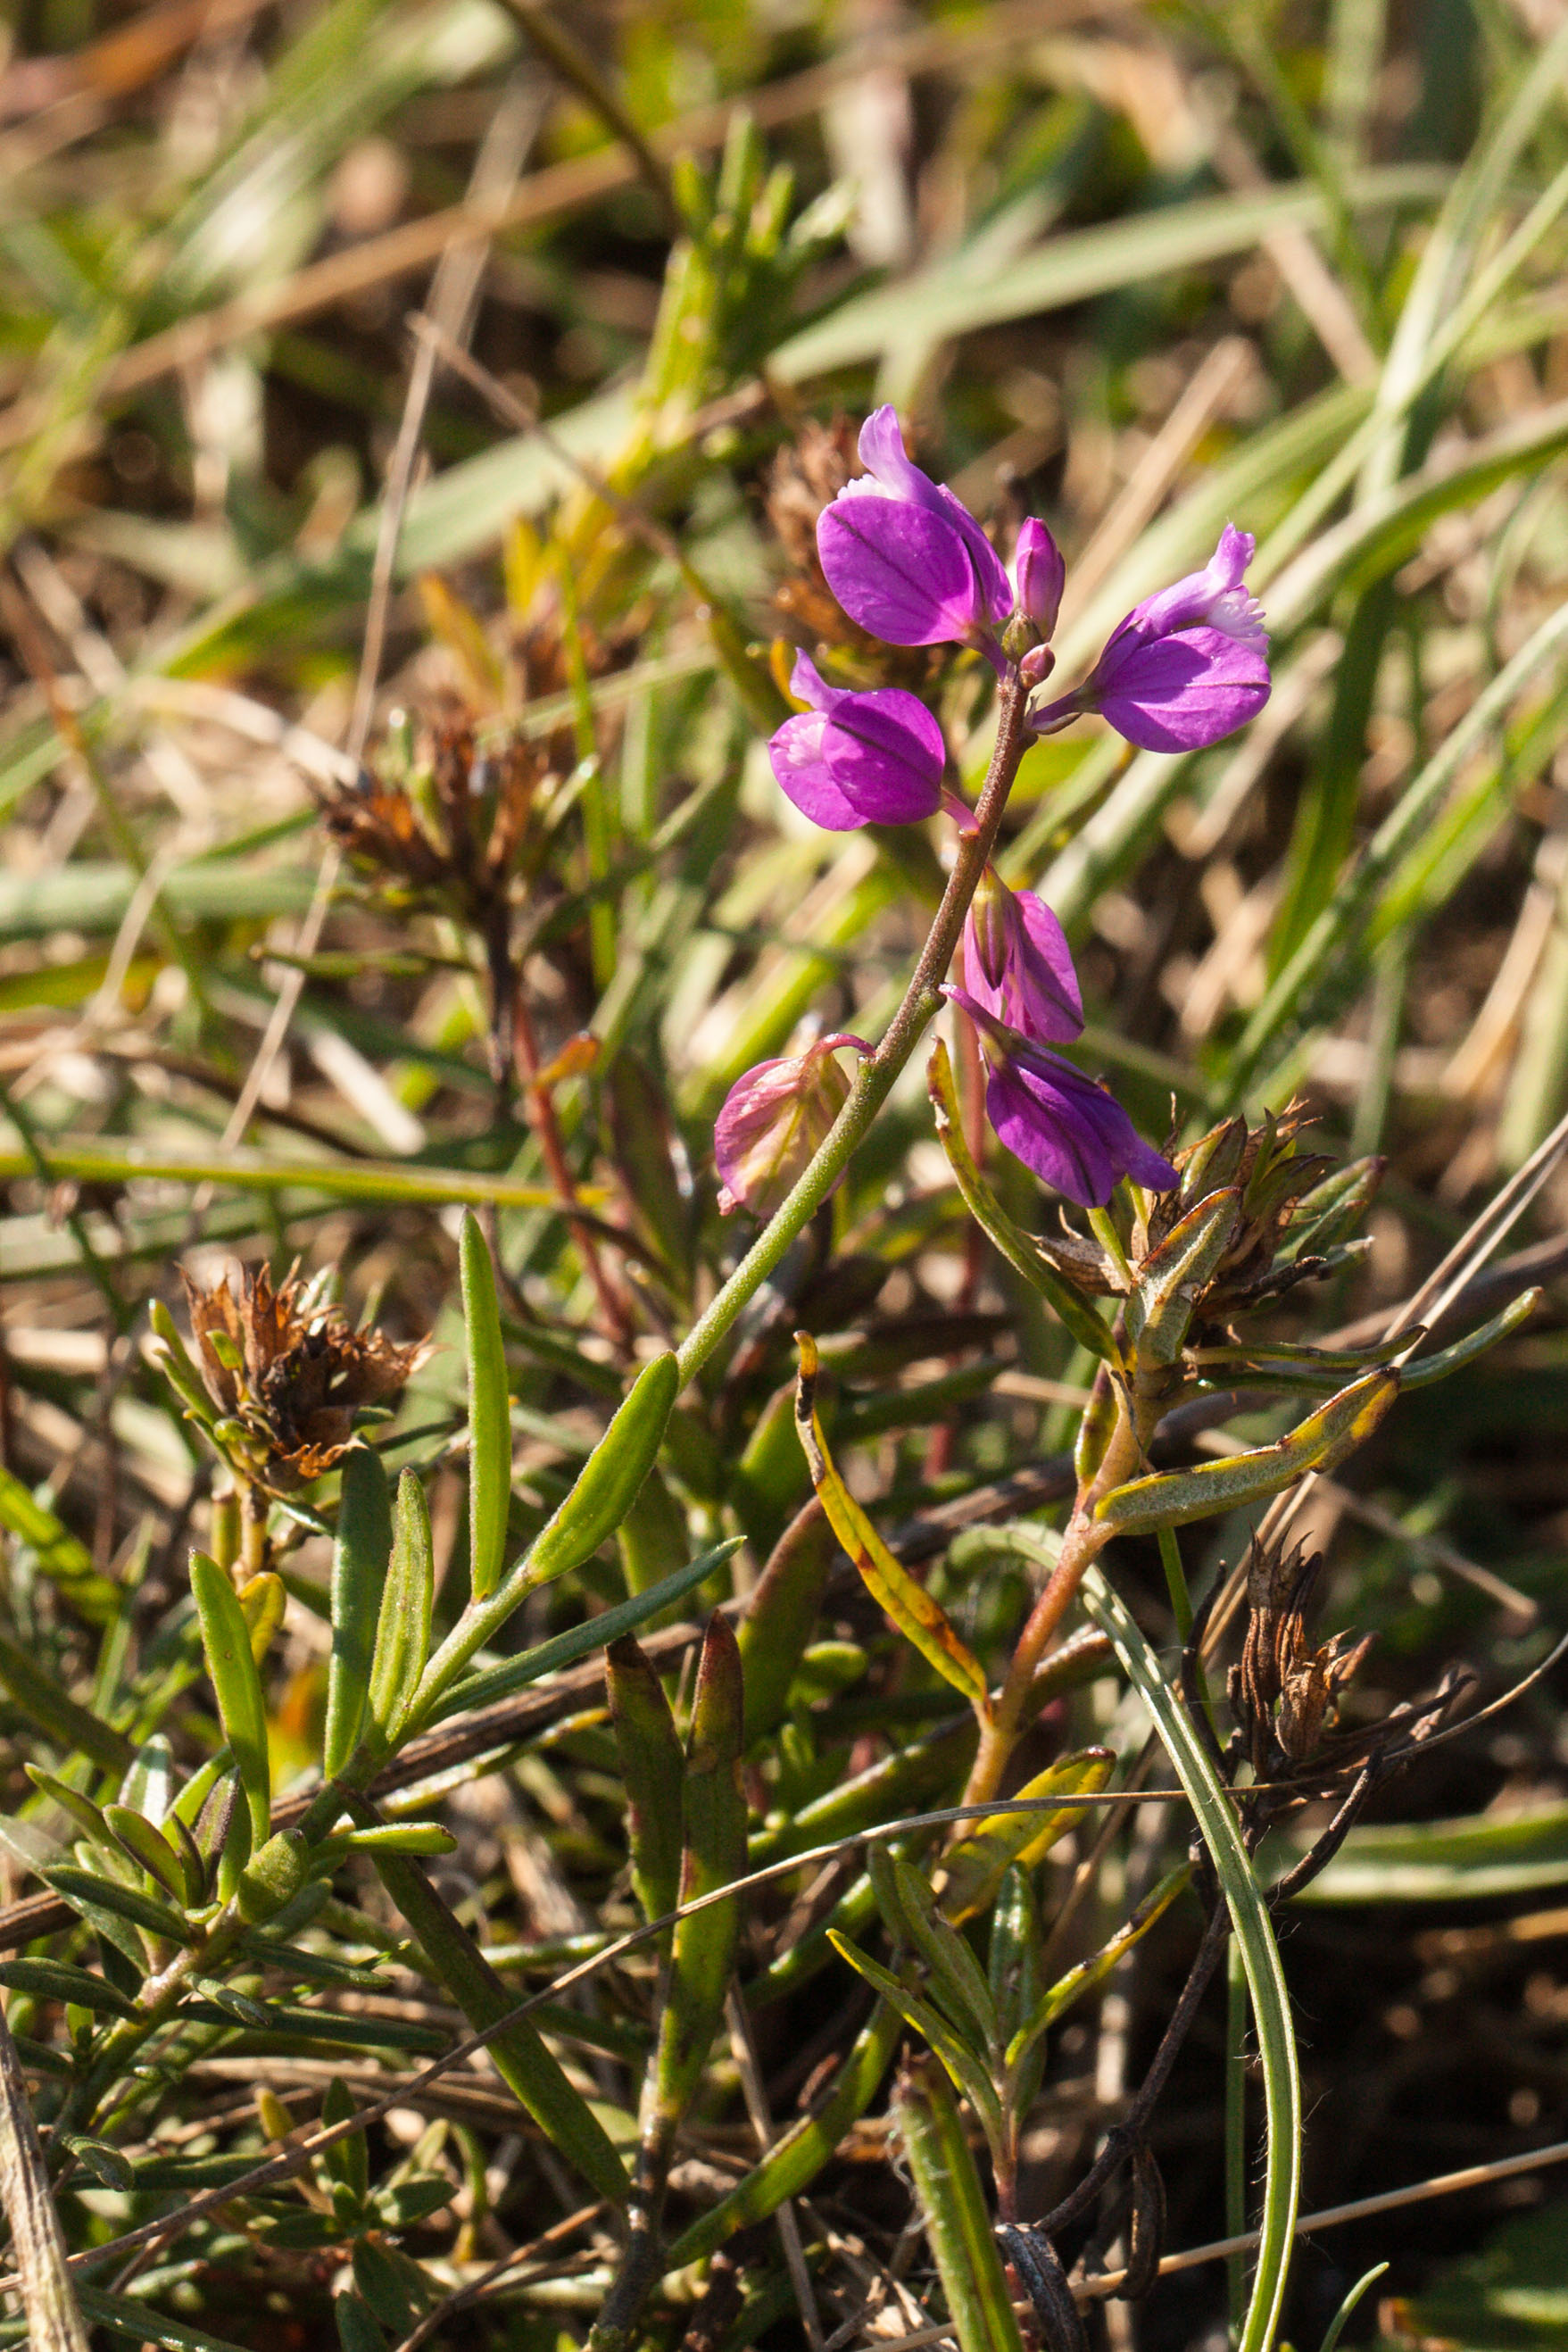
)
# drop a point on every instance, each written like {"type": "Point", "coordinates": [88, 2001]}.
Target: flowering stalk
{"type": "Point", "coordinates": [872, 1087]}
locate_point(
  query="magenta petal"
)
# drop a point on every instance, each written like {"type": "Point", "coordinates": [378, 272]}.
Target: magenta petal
{"type": "Point", "coordinates": [800, 766]}
{"type": "Point", "coordinates": [902, 571]}
{"type": "Point", "coordinates": [1070, 1131]}
{"type": "Point", "coordinates": [885, 754]}
{"type": "Point", "coordinates": [1035, 990]}
{"type": "Point", "coordinates": [1179, 693]}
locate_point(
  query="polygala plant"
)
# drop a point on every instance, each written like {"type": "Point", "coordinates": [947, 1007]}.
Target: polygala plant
{"type": "Point", "coordinates": [647, 1554]}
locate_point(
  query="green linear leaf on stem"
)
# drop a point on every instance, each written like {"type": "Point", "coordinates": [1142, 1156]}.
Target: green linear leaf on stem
{"type": "Point", "coordinates": [1254, 1932]}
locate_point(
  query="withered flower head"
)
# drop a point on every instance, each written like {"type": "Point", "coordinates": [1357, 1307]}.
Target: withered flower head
{"type": "Point", "coordinates": [1295, 1207]}
{"type": "Point", "coordinates": [452, 827]}
{"type": "Point", "coordinates": [1284, 1691]}
{"type": "Point", "coordinates": [291, 1373]}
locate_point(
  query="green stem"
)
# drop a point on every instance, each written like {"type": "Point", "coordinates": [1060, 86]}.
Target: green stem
{"type": "Point", "coordinates": [872, 1087]}
{"type": "Point", "coordinates": [1236, 2132]}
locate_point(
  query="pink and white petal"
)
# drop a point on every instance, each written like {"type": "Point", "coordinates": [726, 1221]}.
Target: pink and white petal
{"type": "Point", "coordinates": [796, 753]}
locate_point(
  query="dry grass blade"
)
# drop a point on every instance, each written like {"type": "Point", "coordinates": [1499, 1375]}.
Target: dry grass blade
{"type": "Point", "coordinates": [43, 2276]}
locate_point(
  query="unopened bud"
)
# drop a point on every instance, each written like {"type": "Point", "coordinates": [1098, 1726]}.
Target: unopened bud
{"type": "Point", "coordinates": [1037, 665]}
{"type": "Point", "coordinates": [989, 933]}
{"type": "Point", "coordinates": [774, 1120]}
{"type": "Point", "coordinates": [1039, 574]}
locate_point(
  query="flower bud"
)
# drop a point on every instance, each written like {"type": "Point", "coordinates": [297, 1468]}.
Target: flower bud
{"type": "Point", "coordinates": [1039, 574]}
{"type": "Point", "coordinates": [773, 1121]}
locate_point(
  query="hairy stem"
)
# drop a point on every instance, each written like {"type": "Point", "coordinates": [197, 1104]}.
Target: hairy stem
{"type": "Point", "coordinates": [874, 1083]}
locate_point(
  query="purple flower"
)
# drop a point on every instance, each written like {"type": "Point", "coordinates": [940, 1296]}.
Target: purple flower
{"type": "Point", "coordinates": [1185, 668]}
{"type": "Point", "coordinates": [858, 759]}
{"type": "Point", "coordinates": [773, 1120]}
{"type": "Point", "coordinates": [1038, 575]}
{"type": "Point", "coordinates": [1072, 1133]}
{"type": "Point", "coordinates": [1018, 964]}
{"type": "Point", "coordinates": [905, 558]}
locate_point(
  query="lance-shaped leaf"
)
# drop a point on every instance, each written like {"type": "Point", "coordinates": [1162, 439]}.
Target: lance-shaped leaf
{"type": "Point", "coordinates": [702, 1949]}
{"type": "Point", "coordinates": [263, 1599]}
{"type": "Point", "coordinates": [1427, 1369]}
{"type": "Point", "coordinates": [1160, 1307]}
{"type": "Point", "coordinates": [149, 1847]}
{"type": "Point", "coordinates": [954, 2207]}
{"type": "Point", "coordinates": [654, 1771]}
{"type": "Point", "coordinates": [794, 2160]}
{"type": "Point", "coordinates": [525, 2065]}
{"type": "Point", "coordinates": [780, 1620]}
{"type": "Point", "coordinates": [171, 1357]}
{"type": "Point", "coordinates": [1097, 1967]}
{"type": "Point", "coordinates": [97, 1898]}
{"type": "Point", "coordinates": [1013, 1967]}
{"type": "Point", "coordinates": [917, 1617]}
{"type": "Point", "coordinates": [402, 1626]}
{"type": "Point", "coordinates": [972, 1868]}
{"type": "Point", "coordinates": [956, 1984]}
{"type": "Point", "coordinates": [1319, 1442]}
{"type": "Point", "coordinates": [1333, 1209]}
{"type": "Point", "coordinates": [594, 1633]}
{"type": "Point", "coordinates": [360, 1550]}
{"type": "Point", "coordinates": [1213, 1805]}
{"type": "Point", "coordinates": [489, 1414]}
{"type": "Point", "coordinates": [604, 1491]}
{"type": "Point", "coordinates": [150, 1783]}
{"type": "Point", "coordinates": [966, 2059]}
{"type": "Point", "coordinates": [82, 1811]}
{"type": "Point", "coordinates": [57, 1980]}
{"type": "Point", "coordinates": [226, 1639]}
{"type": "Point", "coordinates": [1021, 1250]}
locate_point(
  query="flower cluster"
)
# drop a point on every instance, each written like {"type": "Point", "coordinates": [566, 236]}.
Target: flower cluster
{"type": "Point", "coordinates": [910, 565]}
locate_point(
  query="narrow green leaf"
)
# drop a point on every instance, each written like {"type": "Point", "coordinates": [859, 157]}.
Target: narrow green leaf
{"type": "Point", "coordinates": [1172, 1498]}
{"type": "Point", "coordinates": [147, 1846]}
{"type": "Point", "coordinates": [361, 1559]}
{"type": "Point", "coordinates": [91, 1894]}
{"type": "Point", "coordinates": [652, 1768]}
{"type": "Point", "coordinates": [524, 2063]}
{"type": "Point", "coordinates": [1254, 1932]}
{"type": "Point", "coordinates": [797, 2156]}
{"type": "Point", "coordinates": [909, 1910]}
{"type": "Point", "coordinates": [489, 1414]}
{"type": "Point", "coordinates": [226, 1639]}
{"type": "Point", "coordinates": [1422, 1371]}
{"type": "Point", "coordinates": [1160, 1307]}
{"type": "Point", "coordinates": [965, 2063]}
{"type": "Point", "coordinates": [972, 1868]}
{"type": "Point", "coordinates": [593, 1633]}
{"type": "Point", "coordinates": [605, 1489]}
{"type": "Point", "coordinates": [1093, 1971]}
{"type": "Point", "coordinates": [82, 1811]}
{"type": "Point", "coordinates": [702, 1951]}
{"type": "Point", "coordinates": [57, 1980]}
{"type": "Point", "coordinates": [954, 2207]}
{"type": "Point", "coordinates": [913, 1611]}
{"type": "Point", "coordinates": [402, 1626]}
{"type": "Point", "coordinates": [402, 1837]}
{"type": "Point", "coordinates": [150, 1783]}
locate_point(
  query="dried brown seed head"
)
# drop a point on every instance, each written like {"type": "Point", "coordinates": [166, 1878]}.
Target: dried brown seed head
{"type": "Point", "coordinates": [291, 1372]}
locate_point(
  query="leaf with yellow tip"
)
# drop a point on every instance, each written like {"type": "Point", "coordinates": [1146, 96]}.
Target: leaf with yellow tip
{"type": "Point", "coordinates": [917, 1617]}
